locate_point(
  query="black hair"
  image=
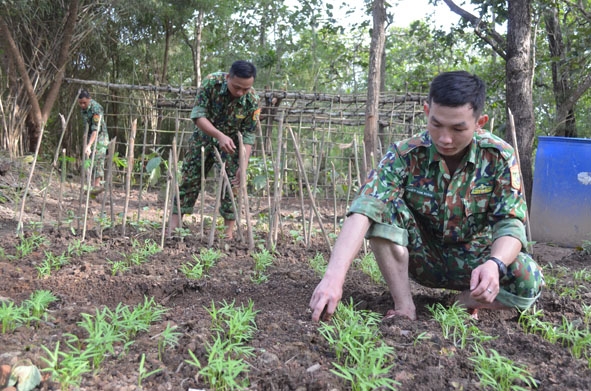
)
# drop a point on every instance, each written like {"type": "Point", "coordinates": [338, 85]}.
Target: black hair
{"type": "Point", "coordinates": [243, 69]}
{"type": "Point", "coordinates": [84, 94]}
{"type": "Point", "coordinates": [456, 88]}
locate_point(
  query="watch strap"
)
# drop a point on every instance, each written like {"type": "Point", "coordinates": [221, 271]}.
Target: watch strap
{"type": "Point", "coordinates": [500, 264]}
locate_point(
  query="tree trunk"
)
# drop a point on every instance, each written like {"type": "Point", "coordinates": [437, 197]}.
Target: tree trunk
{"type": "Point", "coordinates": [378, 37]}
{"type": "Point", "coordinates": [36, 115]}
{"type": "Point", "coordinates": [167, 35]}
{"type": "Point", "coordinates": [561, 80]}
{"type": "Point", "coordinates": [519, 71]}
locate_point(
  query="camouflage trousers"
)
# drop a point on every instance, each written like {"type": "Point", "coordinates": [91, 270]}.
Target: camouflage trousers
{"type": "Point", "coordinates": [438, 265]}
{"type": "Point", "coordinates": [190, 186]}
{"type": "Point", "coordinates": [102, 144]}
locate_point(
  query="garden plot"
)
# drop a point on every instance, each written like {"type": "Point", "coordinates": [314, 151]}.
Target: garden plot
{"type": "Point", "coordinates": [121, 313]}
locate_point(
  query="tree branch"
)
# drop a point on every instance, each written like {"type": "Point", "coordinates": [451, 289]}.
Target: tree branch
{"type": "Point", "coordinates": [482, 29]}
{"type": "Point", "coordinates": [19, 62]}
{"type": "Point", "coordinates": [62, 59]}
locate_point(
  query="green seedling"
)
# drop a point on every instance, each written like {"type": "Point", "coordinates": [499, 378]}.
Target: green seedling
{"type": "Point", "coordinates": [103, 221]}
{"type": "Point", "coordinates": [193, 272]}
{"type": "Point", "coordinates": [44, 269]}
{"type": "Point", "coordinates": [182, 233]}
{"type": "Point", "coordinates": [168, 338]}
{"type": "Point", "coordinates": [421, 337]}
{"type": "Point", "coordinates": [118, 267]}
{"type": "Point", "coordinates": [457, 325]}
{"type": "Point", "coordinates": [102, 336]}
{"type": "Point", "coordinates": [363, 359]}
{"type": "Point", "coordinates": [318, 264]}
{"type": "Point", "coordinates": [262, 260]}
{"type": "Point", "coordinates": [11, 316]}
{"type": "Point", "coordinates": [208, 258]}
{"type": "Point", "coordinates": [586, 314]}
{"type": "Point", "coordinates": [500, 373]}
{"type": "Point", "coordinates": [586, 247]}
{"type": "Point", "coordinates": [37, 303]}
{"type": "Point", "coordinates": [369, 266]}
{"type": "Point", "coordinates": [148, 248]}
{"type": "Point", "coordinates": [296, 235]}
{"type": "Point", "coordinates": [78, 248]}
{"type": "Point", "coordinates": [225, 369]}
{"type": "Point", "coordinates": [583, 275]}
{"type": "Point", "coordinates": [143, 374]}
{"type": "Point", "coordinates": [236, 324]}
{"type": "Point", "coordinates": [66, 368]}
{"type": "Point", "coordinates": [30, 244]}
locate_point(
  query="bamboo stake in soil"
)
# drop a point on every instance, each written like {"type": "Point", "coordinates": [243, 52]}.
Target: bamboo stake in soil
{"type": "Point", "coordinates": [244, 191]}
{"type": "Point", "coordinates": [201, 209]}
{"type": "Point", "coordinates": [166, 197]}
{"type": "Point", "coordinates": [218, 198]}
{"type": "Point", "coordinates": [90, 178]}
{"type": "Point", "coordinates": [61, 191]}
{"type": "Point", "coordinates": [228, 187]}
{"type": "Point", "coordinates": [303, 212]}
{"type": "Point", "coordinates": [19, 226]}
{"type": "Point", "coordinates": [264, 156]}
{"type": "Point", "coordinates": [175, 182]}
{"type": "Point", "coordinates": [275, 206]}
{"type": "Point", "coordinates": [312, 198]}
{"type": "Point", "coordinates": [142, 167]}
{"type": "Point", "coordinates": [108, 184]}
{"type": "Point", "coordinates": [129, 174]}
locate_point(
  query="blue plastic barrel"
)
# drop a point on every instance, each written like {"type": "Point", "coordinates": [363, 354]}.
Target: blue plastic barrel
{"type": "Point", "coordinates": [561, 195]}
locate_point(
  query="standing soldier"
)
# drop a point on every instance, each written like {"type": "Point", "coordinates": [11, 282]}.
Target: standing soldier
{"type": "Point", "coordinates": [94, 120]}
{"type": "Point", "coordinates": [226, 104]}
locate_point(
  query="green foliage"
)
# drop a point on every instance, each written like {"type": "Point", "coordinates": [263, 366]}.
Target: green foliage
{"type": "Point", "coordinates": [319, 264]}
{"type": "Point", "coordinates": [78, 248]}
{"type": "Point", "coordinates": [496, 372]}
{"type": "Point", "coordinates": [51, 263]}
{"type": "Point", "coordinates": [67, 368]}
{"type": "Point", "coordinates": [29, 244]}
{"type": "Point", "coordinates": [37, 303]}
{"type": "Point", "coordinates": [575, 336]}
{"type": "Point", "coordinates": [226, 368]}
{"type": "Point", "coordinates": [457, 325]}
{"type": "Point", "coordinates": [208, 258]}
{"type": "Point", "coordinates": [168, 338]}
{"type": "Point", "coordinates": [262, 260]}
{"type": "Point", "coordinates": [31, 310]}
{"type": "Point", "coordinates": [369, 266]}
{"type": "Point", "coordinates": [11, 316]}
{"type": "Point", "coordinates": [363, 359]}
{"type": "Point", "coordinates": [143, 373]}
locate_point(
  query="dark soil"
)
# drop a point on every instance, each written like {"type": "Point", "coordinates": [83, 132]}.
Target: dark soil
{"type": "Point", "coordinates": [290, 353]}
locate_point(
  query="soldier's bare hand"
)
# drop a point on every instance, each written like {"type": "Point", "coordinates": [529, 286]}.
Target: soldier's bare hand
{"type": "Point", "coordinates": [226, 144]}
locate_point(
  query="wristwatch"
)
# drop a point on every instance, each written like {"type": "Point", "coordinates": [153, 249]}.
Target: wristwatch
{"type": "Point", "coordinates": [500, 264]}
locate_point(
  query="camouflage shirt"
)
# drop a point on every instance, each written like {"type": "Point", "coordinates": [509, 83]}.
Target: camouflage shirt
{"type": "Point", "coordinates": [91, 117]}
{"type": "Point", "coordinates": [228, 114]}
{"type": "Point", "coordinates": [482, 199]}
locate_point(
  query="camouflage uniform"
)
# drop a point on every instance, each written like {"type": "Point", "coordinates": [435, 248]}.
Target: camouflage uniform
{"type": "Point", "coordinates": [90, 119]}
{"type": "Point", "coordinates": [230, 116]}
{"type": "Point", "coordinates": [448, 223]}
